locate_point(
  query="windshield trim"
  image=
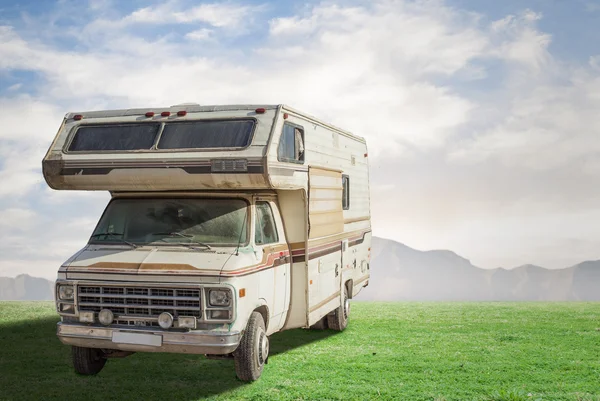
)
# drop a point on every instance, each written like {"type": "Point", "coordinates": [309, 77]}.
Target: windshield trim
{"type": "Point", "coordinates": [154, 148]}
{"type": "Point", "coordinates": [155, 243]}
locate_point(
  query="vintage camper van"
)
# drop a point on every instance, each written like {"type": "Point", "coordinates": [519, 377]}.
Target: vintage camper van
{"type": "Point", "coordinates": [226, 224]}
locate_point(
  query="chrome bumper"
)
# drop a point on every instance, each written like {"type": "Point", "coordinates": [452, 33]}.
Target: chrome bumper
{"type": "Point", "coordinates": [193, 342]}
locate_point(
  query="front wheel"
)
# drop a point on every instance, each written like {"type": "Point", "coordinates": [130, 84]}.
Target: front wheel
{"type": "Point", "coordinates": [252, 353]}
{"type": "Point", "coordinates": [87, 361]}
{"type": "Point", "coordinates": [338, 319]}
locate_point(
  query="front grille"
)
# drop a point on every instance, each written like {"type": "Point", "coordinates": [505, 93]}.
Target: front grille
{"type": "Point", "coordinates": [140, 301]}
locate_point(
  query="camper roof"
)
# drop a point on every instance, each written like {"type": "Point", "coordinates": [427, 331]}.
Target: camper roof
{"type": "Point", "coordinates": [189, 107]}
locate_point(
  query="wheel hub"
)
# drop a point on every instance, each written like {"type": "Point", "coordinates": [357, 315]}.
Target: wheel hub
{"type": "Point", "coordinates": [263, 348]}
{"type": "Point", "coordinates": [346, 308]}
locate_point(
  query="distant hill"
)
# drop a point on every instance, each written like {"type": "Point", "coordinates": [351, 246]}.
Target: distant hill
{"type": "Point", "coordinates": [401, 273]}
{"type": "Point", "coordinates": [26, 288]}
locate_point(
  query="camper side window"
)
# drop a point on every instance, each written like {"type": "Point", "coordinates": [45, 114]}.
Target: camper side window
{"type": "Point", "coordinates": [345, 192]}
{"type": "Point", "coordinates": [291, 144]}
{"type": "Point", "coordinates": [265, 231]}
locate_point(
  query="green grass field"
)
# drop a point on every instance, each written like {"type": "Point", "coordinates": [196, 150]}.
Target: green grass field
{"type": "Point", "coordinates": [404, 351]}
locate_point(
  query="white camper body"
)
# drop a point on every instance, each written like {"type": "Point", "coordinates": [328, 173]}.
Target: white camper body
{"type": "Point", "coordinates": [226, 224]}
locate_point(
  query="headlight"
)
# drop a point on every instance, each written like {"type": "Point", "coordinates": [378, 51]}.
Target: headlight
{"type": "Point", "coordinates": [66, 292]}
{"type": "Point", "coordinates": [165, 320]}
{"type": "Point", "coordinates": [66, 308]}
{"type": "Point", "coordinates": [219, 298]}
{"type": "Point", "coordinates": [106, 317]}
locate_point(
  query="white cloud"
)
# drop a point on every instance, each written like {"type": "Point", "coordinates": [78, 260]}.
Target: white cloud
{"type": "Point", "coordinates": [546, 126]}
{"type": "Point", "coordinates": [521, 42]}
{"type": "Point", "coordinates": [221, 15]}
{"type": "Point", "coordinates": [200, 34]}
{"type": "Point", "coordinates": [17, 218]}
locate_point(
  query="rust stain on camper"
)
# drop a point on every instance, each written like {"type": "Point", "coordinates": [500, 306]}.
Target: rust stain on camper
{"type": "Point", "coordinates": [142, 266]}
{"type": "Point", "coordinates": [167, 266]}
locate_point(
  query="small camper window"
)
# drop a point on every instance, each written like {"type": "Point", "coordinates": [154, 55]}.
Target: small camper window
{"type": "Point", "coordinates": [207, 134]}
{"type": "Point", "coordinates": [265, 231]}
{"type": "Point", "coordinates": [291, 144]}
{"type": "Point", "coordinates": [121, 137]}
{"type": "Point", "coordinates": [345, 192]}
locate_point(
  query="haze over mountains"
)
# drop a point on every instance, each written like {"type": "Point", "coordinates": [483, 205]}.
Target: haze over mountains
{"type": "Point", "coordinates": [400, 273]}
{"type": "Point", "coordinates": [26, 288]}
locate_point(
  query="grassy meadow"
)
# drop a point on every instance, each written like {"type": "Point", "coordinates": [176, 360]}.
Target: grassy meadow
{"type": "Point", "coordinates": [400, 351]}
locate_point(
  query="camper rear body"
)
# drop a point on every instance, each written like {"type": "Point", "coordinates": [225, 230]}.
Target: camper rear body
{"type": "Point", "coordinates": [226, 224]}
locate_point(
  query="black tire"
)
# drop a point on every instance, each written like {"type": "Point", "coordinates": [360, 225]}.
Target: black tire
{"type": "Point", "coordinates": [320, 325]}
{"type": "Point", "coordinates": [338, 319]}
{"type": "Point", "coordinates": [252, 353]}
{"type": "Point", "coordinates": [87, 361]}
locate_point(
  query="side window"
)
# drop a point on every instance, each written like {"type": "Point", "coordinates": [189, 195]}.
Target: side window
{"type": "Point", "coordinates": [291, 144]}
{"type": "Point", "coordinates": [265, 231]}
{"type": "Point", "coordinates": [345, 192]}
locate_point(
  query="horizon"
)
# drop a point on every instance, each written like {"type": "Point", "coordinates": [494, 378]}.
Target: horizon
{"type": "Point", "coordinates": [481, 118]}
{"type": "Point", "coordinates": [52, 278]}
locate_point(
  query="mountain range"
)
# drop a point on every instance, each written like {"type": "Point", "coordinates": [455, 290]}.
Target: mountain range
{"type": "Point", "coordinates": [401, 273]}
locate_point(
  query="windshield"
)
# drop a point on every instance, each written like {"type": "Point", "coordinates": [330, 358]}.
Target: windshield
{"type": "Point", "coordinates": [185, 221]}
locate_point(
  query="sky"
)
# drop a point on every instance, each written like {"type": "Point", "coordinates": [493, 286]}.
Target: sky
{"type": "Point", "coordinates": [482, 117]}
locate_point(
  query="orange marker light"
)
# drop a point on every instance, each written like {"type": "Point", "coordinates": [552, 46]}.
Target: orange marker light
{"type": "Point", "coordinates": [242, 292]}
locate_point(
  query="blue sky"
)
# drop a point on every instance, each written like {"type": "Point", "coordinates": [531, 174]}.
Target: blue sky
{"type": "Point", "coordinates": [481, 116]}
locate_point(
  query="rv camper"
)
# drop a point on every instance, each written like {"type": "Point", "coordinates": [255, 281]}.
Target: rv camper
{"type": "Point", "coordinates": [226, 224]}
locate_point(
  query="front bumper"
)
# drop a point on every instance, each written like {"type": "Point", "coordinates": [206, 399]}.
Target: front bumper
{"type": "Point", "coordinates": [193, 342]}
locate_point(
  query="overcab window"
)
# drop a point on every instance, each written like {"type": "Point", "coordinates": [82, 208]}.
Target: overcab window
{"type": "Point", "coordinates": [202, 134]}
{"type": "Point", "coordinates": [291, 144]}
{"type": "Point", "coordinates": [207, 134]}
{"type": "Point", "coordinates": [114, 137]}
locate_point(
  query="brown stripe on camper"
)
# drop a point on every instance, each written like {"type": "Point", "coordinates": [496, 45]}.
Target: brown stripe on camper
{"type": "Point", "coordinates": [273, 257]}
{"type": "Point", "coordinates": [357, 219]}
{"type": "Point", "coordinates": [325, 301]}
{"type": "Point", "coordinates": [298, 254]}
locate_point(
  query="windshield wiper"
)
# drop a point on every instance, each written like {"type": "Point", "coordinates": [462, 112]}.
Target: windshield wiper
{"type": "Point", "coordinates": [115, 235]}
{"type": "Point", "coordinates": [188, 236]}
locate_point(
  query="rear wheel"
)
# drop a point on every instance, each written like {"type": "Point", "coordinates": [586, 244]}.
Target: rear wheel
{"type": "Point", "coordinates": [252, 353]}
{"type": "Point", "coordinates": [338, 319]}
{"type": "Point", "coordinates": [320, 325]}
{"type": "Point", "coordinates": [87, 361]}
